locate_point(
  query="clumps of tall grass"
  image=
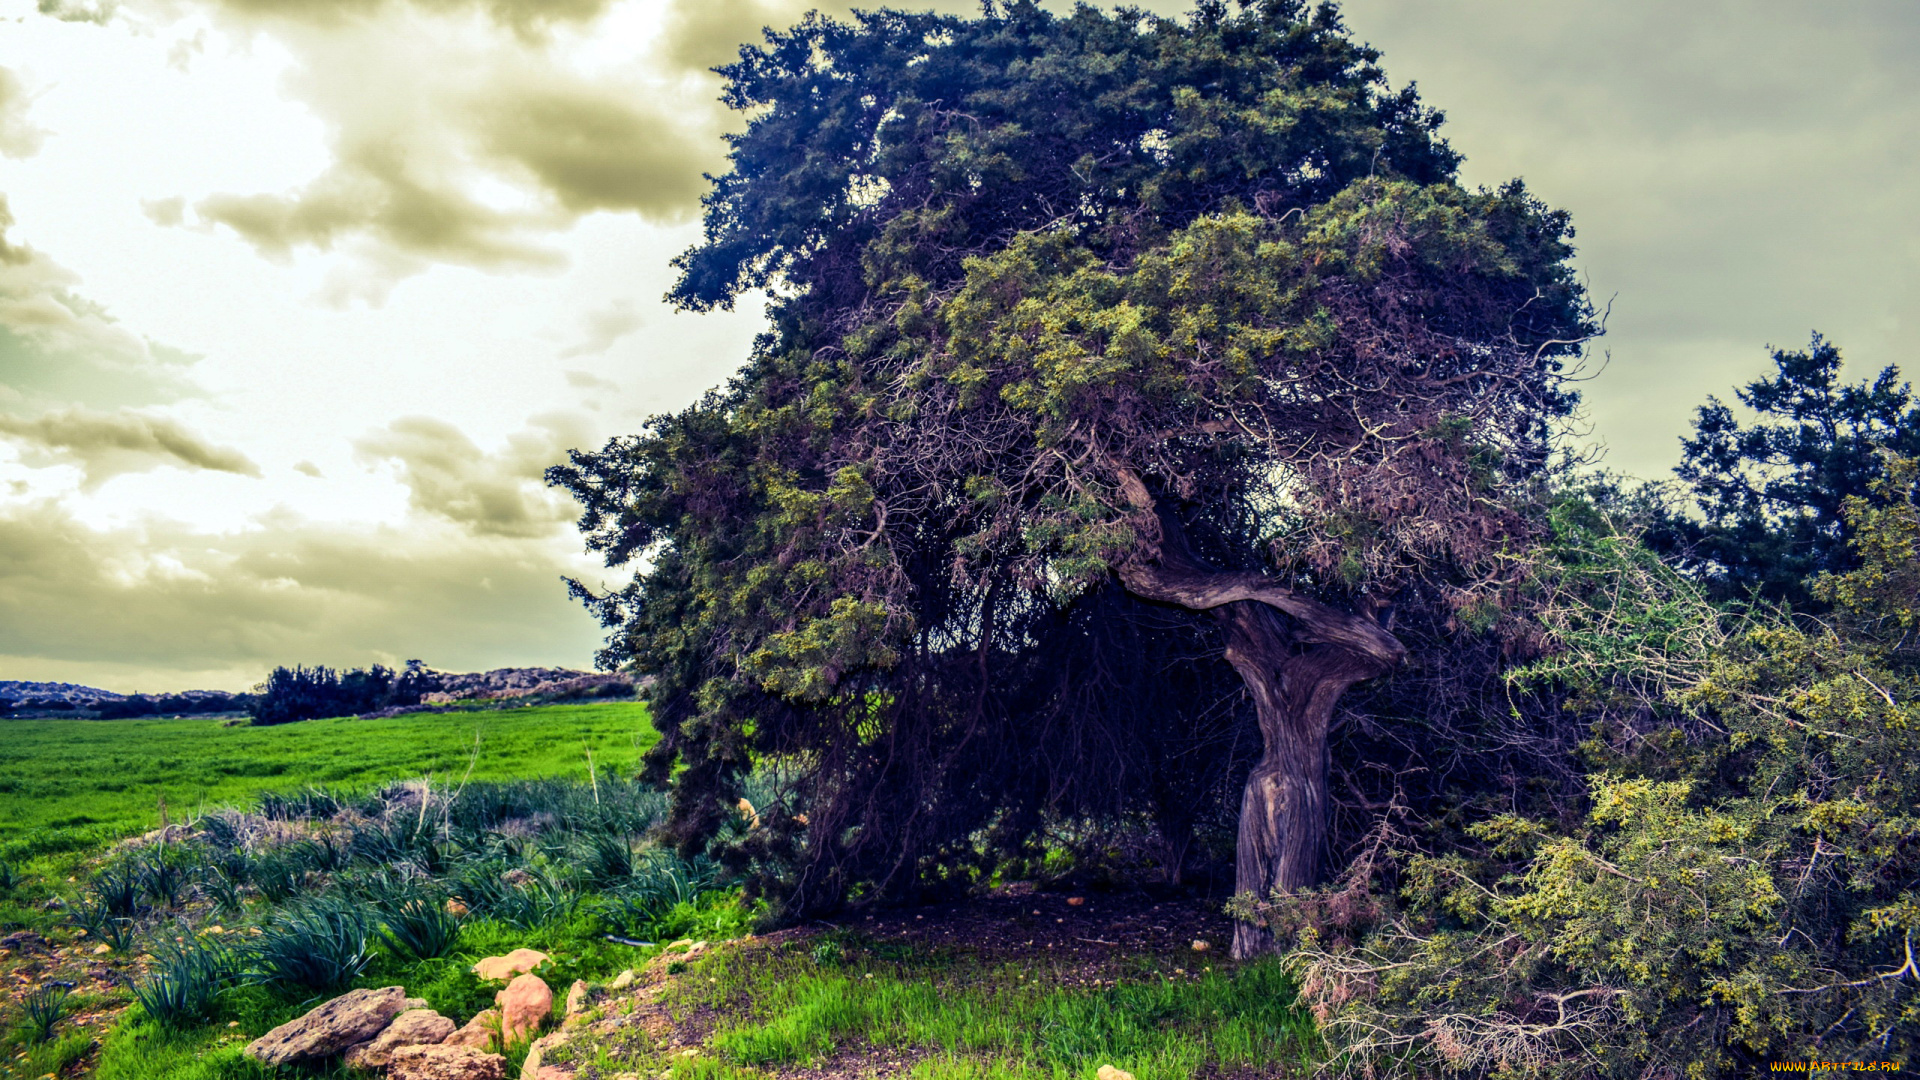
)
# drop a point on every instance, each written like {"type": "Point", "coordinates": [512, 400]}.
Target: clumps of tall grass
{"type": "Point", "coordinates": [320, 944]}
{"type": "Point", "coordinates": [419, 927]}
{"type": "Point", "coordinates": [42, 1009]}
{"type": "Point", "coordinates": [185, 981]}
{"type": "Point", "coordinates": [336, 882]}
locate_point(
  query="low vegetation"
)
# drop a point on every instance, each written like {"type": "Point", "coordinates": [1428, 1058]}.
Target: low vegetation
{"type": "Point", "coordinates": [71, 784]}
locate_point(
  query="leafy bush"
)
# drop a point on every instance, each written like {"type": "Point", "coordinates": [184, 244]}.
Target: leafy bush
{"type": "Point", "coordinates": [320, 945]}
{"type": "Point", "coordinates": [1742, 889]}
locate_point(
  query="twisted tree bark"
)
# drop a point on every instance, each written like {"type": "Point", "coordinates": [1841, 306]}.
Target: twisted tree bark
{"type": "Point", "coordinates": [1296, 656]}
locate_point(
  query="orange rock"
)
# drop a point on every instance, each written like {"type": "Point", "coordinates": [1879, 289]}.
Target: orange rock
{"type": "Point", "coordinates": [1076, 901]}
{"type": "Point", "coordinates": [481, 1033]}
{"type": "Point", "coordinates": [502, 968]}
{"type": "Point", "coordinates": [524, 1005]}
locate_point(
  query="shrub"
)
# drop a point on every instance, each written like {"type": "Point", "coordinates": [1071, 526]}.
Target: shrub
{"type": "Point", "coordinates": [1742, 889]}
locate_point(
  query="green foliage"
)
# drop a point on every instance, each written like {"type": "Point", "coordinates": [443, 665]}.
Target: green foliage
{"type": "Point", "coordinates": [184, 981]}
{"type": "Point", "coordinates": [43, 1007]}
{"type": "Point", "coordinates": [1060, 294]}
{"type": "Point", "coordinates": [319, 945]}
{"type": "Point", "coordinates": [419, 927]}
{"type": "Point", "coordinates": [1774, 492]}
{"type": "Point", "coordinates": [1743, 887]}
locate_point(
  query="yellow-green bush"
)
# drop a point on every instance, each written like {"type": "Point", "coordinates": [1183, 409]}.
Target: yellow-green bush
{"type": "Point", "coordinates": [1746, 885]}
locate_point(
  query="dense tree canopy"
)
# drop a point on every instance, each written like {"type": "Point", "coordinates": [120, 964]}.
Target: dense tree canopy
{"type": "Point", "coordinates": [1132, 388]}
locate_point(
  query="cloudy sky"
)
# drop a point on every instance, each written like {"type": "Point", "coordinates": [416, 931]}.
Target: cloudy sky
{"type": "Point", "coordinates": [298, 297]}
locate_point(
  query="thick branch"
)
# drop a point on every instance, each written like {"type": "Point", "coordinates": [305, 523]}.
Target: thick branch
{"type": "Point", "coordinates": [1316, 622]}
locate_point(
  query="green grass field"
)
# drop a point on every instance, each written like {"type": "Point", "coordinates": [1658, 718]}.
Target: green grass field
{"type": "Point", "coordinates": [104, 776]}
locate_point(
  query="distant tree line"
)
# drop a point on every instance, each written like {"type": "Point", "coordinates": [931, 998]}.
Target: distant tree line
{"type": "Point", "coordinates": [305, 693]}
{"type": "Point", "coordinates": [171, 705]}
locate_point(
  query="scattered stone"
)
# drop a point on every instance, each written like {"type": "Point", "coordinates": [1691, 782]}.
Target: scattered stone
{"type": "Point", "coordinates": [445, 1062]}
{"type": "Point", "coordinates": [624, 979]}
{"type": "Point", "coordinates": [455, 907]}
{"type": "Point", "coordinates": [1076, 901]}
{"type": "Point", "coordinates": [1108, 1072]}
{"type": "Point", "coordinates": [524, 1005]}
{"type": "Point", "coordinates": [577, 995]}
{"type": "Point", "coordinates": [502, 968]}
{"type": "Point", "coordinates": [102, 949]}
{"type": "Point", "coordinates": [683, 943]}
{"type": "Point", "coordinates": [414, 1027]}
{"type": "Point", "coordinates": [353, 1017]}
{"type": "Point", "coordinates": [480, 1033]}
{"type": "Point", "coordinates": [538, 1052]}
{"type": "Point", "coordinates": [1200, 946]}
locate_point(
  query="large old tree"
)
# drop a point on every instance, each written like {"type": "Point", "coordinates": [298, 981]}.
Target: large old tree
{"type": "Point", "coordinates": [1126, 383]}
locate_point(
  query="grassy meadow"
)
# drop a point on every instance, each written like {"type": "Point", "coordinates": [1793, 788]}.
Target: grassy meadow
{"type": "Point", "coordinates": [66, 782]}
{"type": "Point", "coordinates": [310, 872]}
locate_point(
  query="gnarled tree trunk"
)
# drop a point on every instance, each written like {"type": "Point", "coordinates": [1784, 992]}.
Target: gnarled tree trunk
{"type": "Point", "coordinates": [1296, 656]}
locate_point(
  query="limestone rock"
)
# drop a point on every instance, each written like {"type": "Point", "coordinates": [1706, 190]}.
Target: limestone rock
{"type": "Point", "coordinates": [502, 968]}
{"type": "Point", "coordinates": [414, 1003]}
{"type": "Point", "coordinates": [538, 1052]}
{"type": "Point", "coordinates": [1108, 1072]}
{"type": "Point", "coordinates": [624, 979]}
{"type": "Point", "coordinates": [524, 1005]}
{"type": "Point", "coordinates": [415, 1027]}
{"type": "Point", "coordinates": [1200, 946]}
{"type": "Point", "coordinates": [480, 1033]}
{"type": "Point", "coordinates": [445, 1062]}
{"type": "Point", "coordinates": [353, 1017]}
{"type": "Point", "coordinates": [577, 996]}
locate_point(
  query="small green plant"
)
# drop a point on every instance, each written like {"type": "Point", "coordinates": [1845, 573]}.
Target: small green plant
{"type": "Point", "coordinates": [9, 877]}
{"type": "Point", "coordinates": [184, 982]}
{"type": "Point", "coordinates": [116, 890]}
{"type": "Point", "coordinates": [321, 945]}
{"type": "Point", "coordinates": [101, 924]}
{"type": "Point", "coordinates": [221, 890]}
{"type": "Point", "coordinates": [164, 872]}
{"type": "Point", "coordinates": [43, 1007]}
{"type": "Point", "coordinates": [420, 927]}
